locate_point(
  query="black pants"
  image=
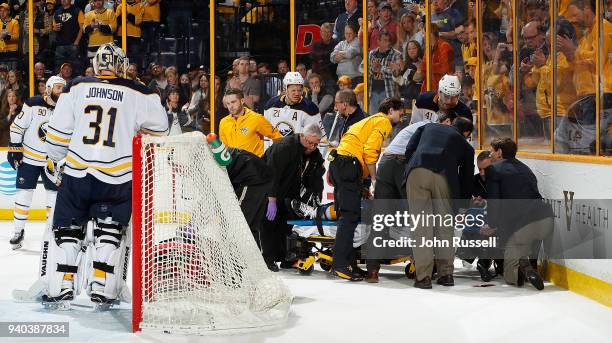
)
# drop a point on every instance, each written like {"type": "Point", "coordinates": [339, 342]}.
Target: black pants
{"type": "Point", "coordinates": [253, 201]}
{"type": "Point", "coordinates": [273, 235]}
{"type": "Point", "coordinates": [389, 185]}
{"type": "Point", "coordinates": [346, 177]}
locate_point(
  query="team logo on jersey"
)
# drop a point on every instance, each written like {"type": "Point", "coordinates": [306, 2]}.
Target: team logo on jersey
{"type": "Point", "coordinates": [285, 128]}
{"type": "Point", "coordinates": [42, 131]}
{"type": "Point", "coordinates": [21, 181]}
{"type": "Point", "coordinates": [244, 130]}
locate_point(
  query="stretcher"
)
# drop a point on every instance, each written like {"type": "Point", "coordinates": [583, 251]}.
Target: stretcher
{"type": "Point", "coordinates": [310, 243]}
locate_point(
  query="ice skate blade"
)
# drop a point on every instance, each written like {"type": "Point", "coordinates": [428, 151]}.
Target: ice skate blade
{"type": "Point", "coordinates": [16, 246]}
{"type": "Point", "coordinates": [57, 305]}
{"type": "Point", "coordinates": [104, 306]}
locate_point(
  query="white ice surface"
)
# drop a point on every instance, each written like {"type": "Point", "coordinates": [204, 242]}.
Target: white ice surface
{"type": "Point", "coordinates": [332, 310]}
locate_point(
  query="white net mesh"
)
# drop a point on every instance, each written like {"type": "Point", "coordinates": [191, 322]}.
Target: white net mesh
{"type": "Point", "coordinates": [201, 268]}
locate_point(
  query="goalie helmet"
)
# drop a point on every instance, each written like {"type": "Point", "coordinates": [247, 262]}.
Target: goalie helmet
{"type": "Point", "coordinates": [110, 57]}
{"type": "Point", "coordinates": [450, 85]}
{"type": "Point", "coordinates": [293, 78]}
{"type": "Point", "coordinates": [53, 80]}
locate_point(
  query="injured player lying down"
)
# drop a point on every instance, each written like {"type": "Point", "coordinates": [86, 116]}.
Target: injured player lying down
{"type": "Point", "coordinates": [92, 130]}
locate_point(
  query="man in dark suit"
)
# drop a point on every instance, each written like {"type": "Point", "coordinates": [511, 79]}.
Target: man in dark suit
{"type": "Point", "coordinates": [516, 212]}
{"type": "Point", "coordinates": [440, 168]}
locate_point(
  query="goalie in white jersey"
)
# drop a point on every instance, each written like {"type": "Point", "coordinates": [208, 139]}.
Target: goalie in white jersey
{"type": "Point", "coordinates": [27, 154]}
{"type": "Point", "coordinates": [92, 129]}
{"type": "Point", "coordinates": [290, 112]}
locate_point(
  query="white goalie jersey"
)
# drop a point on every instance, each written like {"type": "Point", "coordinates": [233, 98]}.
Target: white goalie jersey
{"type": "Point", "coordinates": [94, 123]}
{"type": "Point", "coordinates": [289, 119]}
{"type": "Point", "coordinates": [30, 129]}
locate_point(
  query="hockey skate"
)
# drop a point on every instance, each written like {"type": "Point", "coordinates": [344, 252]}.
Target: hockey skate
{"type": "Point", "coordinates": [60, 302]}
{"type": "Point", "coordinates": [17, 240]}
{"type": "Point", "coordinates": [102, 303]}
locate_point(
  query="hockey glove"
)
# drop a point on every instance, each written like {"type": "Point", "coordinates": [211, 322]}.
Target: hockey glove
{"type": "Point", "coordinates": [15, 155]}
{"type": "Point", "coordinates": [271, 212]}
{"type": "Point", "coordinates": [54, 171]}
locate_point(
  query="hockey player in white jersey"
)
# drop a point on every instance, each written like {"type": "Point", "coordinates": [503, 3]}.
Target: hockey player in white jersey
{"type": "Point", "coordinates": [290, 112]}
{"type": "Point", "coordinates": [28, 156]}
{"type": "Point", "coordinates": [92, 129]}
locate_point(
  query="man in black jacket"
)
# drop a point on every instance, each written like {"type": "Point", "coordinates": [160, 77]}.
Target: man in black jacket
{"type": "Point", "coordinates": [440, 169]}
{"type": "Point", "coordinates": [251, 178]}
{"type": "Point", "coordinates": [296, 162]}
{"type": "Point", "coordinates": [517, 212]}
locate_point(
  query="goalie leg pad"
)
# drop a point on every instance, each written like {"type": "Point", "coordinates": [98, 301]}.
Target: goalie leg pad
{"type": "Point", "coordinates": [107, 277]}
{"type": "Point", "coordinates": [63, 258]}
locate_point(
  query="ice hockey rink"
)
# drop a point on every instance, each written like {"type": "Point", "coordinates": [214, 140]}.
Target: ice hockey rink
{"type": "Point", "coordinates": [333, 310]}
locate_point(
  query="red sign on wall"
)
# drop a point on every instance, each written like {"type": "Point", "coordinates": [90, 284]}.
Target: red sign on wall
{"type": "Point", "coordinates": [307, 35]}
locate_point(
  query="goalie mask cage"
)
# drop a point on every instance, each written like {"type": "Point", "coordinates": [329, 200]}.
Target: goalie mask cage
{"type": "Point", "coordinates": [196, 268]}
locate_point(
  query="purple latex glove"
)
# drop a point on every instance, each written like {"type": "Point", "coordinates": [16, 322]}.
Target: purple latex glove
{"type": "Point", "coordinates": [271, 212]}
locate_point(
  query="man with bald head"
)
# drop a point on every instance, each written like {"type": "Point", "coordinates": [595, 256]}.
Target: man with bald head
{"type": "Point", "coordinates": [352, 14]}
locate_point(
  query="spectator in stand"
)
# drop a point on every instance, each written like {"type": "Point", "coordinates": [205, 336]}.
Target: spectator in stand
{"type": "Point", "coordinates": [282, 67]}
{"type": "Point", "coordinates": [411, 80]}
{"type": "Point", "coordinates": [468, 42]}
{"type": "Point", "coordinates": [150, 23]}
{"type": "Point", "coordinates": [184, 86]}
{"type": "Point", "coordinates": [347, 54]}
{"type": "Point", "coordinates": [407, 31]}
{"type": "Point", "coordinates": [47, 35]}
{"type": "Point", "coordinates": [131, 72]}
{"type": "Point", "coordinates": [384, 63]}
{"type": "Point", "coordinates": [320, 57]}
{"type": "Point", "coordinates": [344, 82]}
{"type": "Point", "coordinates": [10, 107]}
{"type": "Point", "coordinates": [41, 86]}
{"type": "Point", "coordinates": [178, 120]}
{"type": "Point", "coordinates": [301, 68]}
{"type": "Point", "coordinates": [398, 9]}
{"type": "Point", "coordinates": [537, 10]}
{"type": "Point", "coordinates": [39, 71]}
{"type": "Point", "coordinates": [100, 24]}
{"type": "Point", "coordinates": [65, 71]}
{"type": "Point", "coordinates": [39, 24]}
{"type": "Point", "coordinates": [9, 37]}
{"type": "Point", "coordinates": [159, 82]}
{"type": "Point", "coordinates": [15, 83]}
{"type": "Point", "coordinates": [271, 85]}
{"type": "Point", "coordinates": [253, 67]}
{"type": "Point", "coordinates": [198, 108]}
{"type": "Point", "coordinates": [89, 72]}
{"type": "Point", "coordinates": [134, 32]}
{"type": "Point", "coordinates": [220, 110]}
{"type": "Point", "coordinates": [384, 23]}
{"type": "Point", "coordinates": [351, 16]}
{"type": "Point", "coordinates": [235, 66]}
{"type": "Point", "coordinates": [447, 19]}
{"type": "Point", "coordinates": [372, 11]}
{"type": "Point", "coordinates": [442, 59]}
{"type": "Point", "coordinates": [318, 94]}
{"type": "Point", "coordinates": [467, 88]}
{"type": "Point", "coordinates": [249, 85]}
{"type": "Point", "coordinates": [3, 78]}
{"type": "Point", "coordinates": [68, 27]}
{"type": "Point", "coordinates": [359, 93]}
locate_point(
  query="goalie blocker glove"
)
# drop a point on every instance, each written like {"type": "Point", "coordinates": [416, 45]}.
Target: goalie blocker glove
{"type": "Point", "coordinates": [15, 155]}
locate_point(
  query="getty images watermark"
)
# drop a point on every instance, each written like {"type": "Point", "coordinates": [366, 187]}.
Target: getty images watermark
{"type": "Point", "coordinates": [405, 221]}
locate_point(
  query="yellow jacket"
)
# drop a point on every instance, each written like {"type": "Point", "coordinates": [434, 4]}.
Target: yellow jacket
{"type": "Point", "coordinates": [151, 10]}
{"type": "Point", "coordinates": [247, 131]}
{"type": "Point", "coordinates": [566, 92]}
{"type": "Point", "coordinates": [497, 87]}
{"type": "Point", "coordinates": [585, 59]}
{"type": "Point", "coordinates": [136, 9]}
{"type": "Point", "coordinates": [364, 140]}
{"type": "Point", "coordinates": [97, 37]}
{"type": "Point", "coordinates": [12, 27]}
{"type": "Point", "coordinates": [468, 50]}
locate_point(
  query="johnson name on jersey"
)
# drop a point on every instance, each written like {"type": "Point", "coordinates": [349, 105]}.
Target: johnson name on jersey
{"type": "Point", "coordinates": [94, 123]}
{"type": "Point", "coordinates": [30, 129]}
{"type": "Point", "coordinates": [289, 119]}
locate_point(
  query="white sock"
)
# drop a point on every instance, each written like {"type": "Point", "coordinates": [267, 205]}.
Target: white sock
{"type": "Point", "coordinates": [23, 200]}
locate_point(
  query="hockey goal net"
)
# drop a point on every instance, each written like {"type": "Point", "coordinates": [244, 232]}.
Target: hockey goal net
{"type": "Point", "coordinates": [196, 267]}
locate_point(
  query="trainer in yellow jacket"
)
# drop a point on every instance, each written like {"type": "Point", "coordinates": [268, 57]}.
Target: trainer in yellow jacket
{"type": "Point", "coordinates": [364, 140]}
{"type": "Point", "coordinates": [246, 131]}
